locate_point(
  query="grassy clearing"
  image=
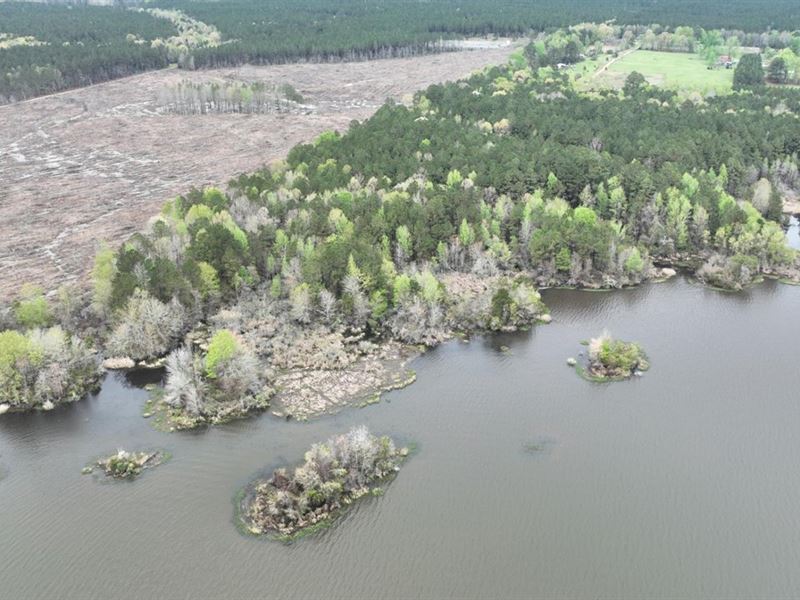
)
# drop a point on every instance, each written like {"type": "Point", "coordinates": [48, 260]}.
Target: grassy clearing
{"type": "Point", "coordinates": [583, 72]}
{"type": "Point", "coordinates": [669, 69]}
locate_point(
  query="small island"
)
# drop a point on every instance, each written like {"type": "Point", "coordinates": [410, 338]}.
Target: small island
{"type": "Point", "coordinates": [610, 359]}
{"type": "Point", "coordinates": [333, 476]}
{"type": "Point", "coordinates": [127, 465]}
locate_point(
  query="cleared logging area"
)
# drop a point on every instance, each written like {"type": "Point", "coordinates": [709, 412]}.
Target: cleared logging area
{"type": "Point", "coordinates": [96, 163]}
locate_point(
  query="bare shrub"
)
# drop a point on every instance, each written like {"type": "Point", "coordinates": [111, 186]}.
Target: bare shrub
{"type": "Point", "coordinates": [147, 327]}
{"type": "Point", "coordinates": [184, 387]}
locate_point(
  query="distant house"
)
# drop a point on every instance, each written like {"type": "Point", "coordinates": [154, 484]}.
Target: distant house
{"type": "Point", "coordinates": [726, 60]}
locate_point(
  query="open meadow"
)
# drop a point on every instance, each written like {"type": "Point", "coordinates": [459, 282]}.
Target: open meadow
{"type": "Point", "coordinates": [674, 70]}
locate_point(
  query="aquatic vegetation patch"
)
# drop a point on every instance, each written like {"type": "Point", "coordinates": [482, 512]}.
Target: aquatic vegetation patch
{"type": "Point", "coordinates": [332, 477]}
{"type": "Point", "coordinates": [539, 446]}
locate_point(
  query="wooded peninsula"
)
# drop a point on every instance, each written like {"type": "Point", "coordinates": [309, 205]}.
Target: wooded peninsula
{"type": "Point", "coordinates": [441, 217]}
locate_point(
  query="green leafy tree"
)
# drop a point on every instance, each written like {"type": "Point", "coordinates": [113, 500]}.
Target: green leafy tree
{"type": "Point", "coordinates": [564, 260]}
{"type": "Point", "coordinates": [403, 236]}
{"type": "Point", "coordinates": [32, 309]}
{"type": "Point", "coordinates": [221, 349]}
{"type": "Point", "coordinates": [634, 263]}
{"type": "Point", "coordinates": [466, 235]}
{"type": "Point", "coordinates": [634, 83]}
{"type": "Point", "coordinates": [103, 279]}
{"type": "Point", "coordinates": [402, 288]}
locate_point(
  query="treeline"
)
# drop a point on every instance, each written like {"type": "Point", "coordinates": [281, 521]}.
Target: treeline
{"type": "Point", "coordinates": [276, 31]}
{"type": "Point", "coordinates": [89, 44]}
{"type": "Point", "coordinates": [75, 46]}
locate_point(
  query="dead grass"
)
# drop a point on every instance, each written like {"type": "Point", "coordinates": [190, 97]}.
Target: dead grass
{"type": "Point", "coordinates": [94, 164]}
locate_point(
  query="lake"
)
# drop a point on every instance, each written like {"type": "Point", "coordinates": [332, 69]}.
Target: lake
{"type": "Point", "coordinates": [527, 480]}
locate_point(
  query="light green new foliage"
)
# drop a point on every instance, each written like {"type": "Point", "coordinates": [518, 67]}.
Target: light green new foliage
{"type": "Point", "coordinates": [388, 270]}
{"type": "Point", "coordinates": [441, 252]}
{"type": "Point", "coordinates": [690, 185]}
{"type": "Point", "coordinates": [222, 348]}
{"type": "Point", "coordinates": [454, 178]}
{"type": "Point", "coordinates": [564, 260]}
{"type": "Point", "coordinates": [354, 271]}
{"type": "Point", "coordinates": [15, 347]}
{"type": "Point", "coordinates": [585, 216]}
{"type": "Point", "coordinates": [227, 221]}
{"type": "Point", "coordinates": [338, 219]}
{"type": "Point", "coordinates": [209, 280]}
{"type": "Point", "coordinates": [404, 239]}
{"type": "Point", "coordinates": [466, 235]}
{"type": "Point", "coordinates": [102, 278]}
{"type": "Point", "coordinates": [678, 208]}
{"type": "Point", "coordinates": [552, 182]}
{"type": "Point", "coordinates": [326, 136]}
{"type": "Point", "coordinates": [275, 287]}
{"type": "Point", "coordinates": [402, 288]}
{"type": "Point", "coordinates": [634, 263]}
{"type": "Point", "coordinates": [16, 350]}
{"type": "Point", "coordinates": [32, 309]}
{"type": "Point", "coordinates": [214, 198]}
{"type": "Point", "coordinates": [429, 287]}
{"type": "Point", "coordinates": [198, 211]}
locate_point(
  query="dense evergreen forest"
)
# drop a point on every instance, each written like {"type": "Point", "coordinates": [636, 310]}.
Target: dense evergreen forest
{"type": "Point", "coordinates": [46, 48]}
{"type": "Point", "coordinates": [319, 30]}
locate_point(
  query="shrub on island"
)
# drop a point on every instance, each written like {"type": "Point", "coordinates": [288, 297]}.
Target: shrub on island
{"type": "Point", "coordinates": [128, 465]}
{"type": "Point", "coordinates": [613, 359]}
{"type": "Point", "coordinates": [334, 474]}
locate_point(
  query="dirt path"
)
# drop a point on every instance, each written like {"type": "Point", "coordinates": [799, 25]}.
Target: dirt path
{"type": "Point", "coordinates": [605, 67]}
{"type": "Point", "coordinates": [95, 164]}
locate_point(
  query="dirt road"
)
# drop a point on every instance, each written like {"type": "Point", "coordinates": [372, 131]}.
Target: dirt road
{"type": "Point", "coordinates": [95, 164]}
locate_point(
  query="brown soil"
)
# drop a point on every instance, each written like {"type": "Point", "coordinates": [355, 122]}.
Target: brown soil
{"type": "Point", "coordinates": [94, 164]}
{"type": "Point", "coordinates": [791, 202]}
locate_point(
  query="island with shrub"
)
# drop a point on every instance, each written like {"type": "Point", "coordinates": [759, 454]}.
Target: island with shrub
{"type": "Point", "coordinates": [610, 359]}
{"type": "Point", "coordinates": [127, 465]}
{"type": "Point", "coordinates": [334, 474]}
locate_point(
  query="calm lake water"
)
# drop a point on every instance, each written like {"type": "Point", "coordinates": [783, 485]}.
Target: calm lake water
{"type": "Point", "coordinates": [682, 483]}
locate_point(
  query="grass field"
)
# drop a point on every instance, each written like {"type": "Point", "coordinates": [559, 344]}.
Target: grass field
{"type": "Point", "coordinates": [674, 70]}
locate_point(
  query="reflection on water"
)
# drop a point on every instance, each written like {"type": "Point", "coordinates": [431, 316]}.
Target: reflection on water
{"type": "Point", "coordinates": [793, 233]}
{"type": "Point", "coordinates": [528, 480]}
{"type": "Point", "coordinates": [141, 378]}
